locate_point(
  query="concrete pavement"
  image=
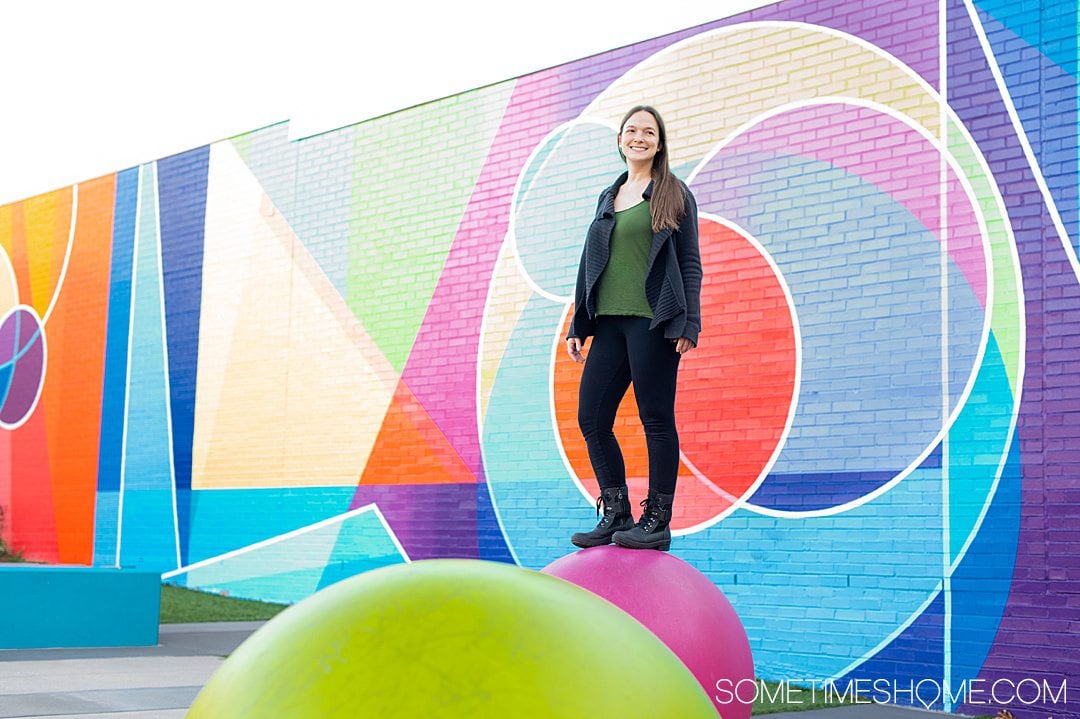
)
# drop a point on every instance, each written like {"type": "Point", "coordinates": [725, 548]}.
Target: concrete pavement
{"type": "Point", "coordinates": [122, 683]}
{"type": "Point", "coordinates": [161, 682]}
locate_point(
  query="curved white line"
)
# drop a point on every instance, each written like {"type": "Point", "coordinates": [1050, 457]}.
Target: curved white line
{"type": "Point", "coordinates": [965, 183]}
{"type": "Point", "coordinates": [67, 253]}
{"type": "Point", "coordinates": [918, 612]}
{"type": "Point", "coordinates": [796, 387]}
{"type": "Point", "coordinates": [556, 347]}
{"type": "Point", "coordinates": [480, 421]}
{"type": "Point", "coordinates": [778, 24]}
{"type": "Point", "coordinates": [988, 268]}
{"type": "Point", "coordinates": [915, 77]}
{"type": "Point", "coordinates": [987, 259]}
{"type": "Point", "coordinates": [932, 93]}
{"type": "Point", "coordinates": [1018, 390]}
{"type": "Point", "coordinates": [518, 197]}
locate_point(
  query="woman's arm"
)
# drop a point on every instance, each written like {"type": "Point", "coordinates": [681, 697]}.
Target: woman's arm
{"type": "Point", "coordinates": [579, 301]}
{"type": "Point", "coordinates": [689, 255]}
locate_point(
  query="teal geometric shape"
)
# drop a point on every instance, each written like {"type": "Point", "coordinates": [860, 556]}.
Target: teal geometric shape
{"type": "Point", "coordinates": [557, 201]}
{"type": "Point", "coordinates": [519, 415]}
{"type": "Point", "coordinates": [148, 503]}
{"type": "Point", "coordinates": [978, 440]}
{"type": "Point", "coordinates": [293, 566]}
{"type": "Point", "coordinates": [983, 578]}
{"type": "Point", "coordinates": [225, 520]}
{"type": "Point", "coordinates": [358, 549]}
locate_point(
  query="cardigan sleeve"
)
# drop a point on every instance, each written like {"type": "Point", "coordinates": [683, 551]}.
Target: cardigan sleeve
{"type": "Point", "coordinates": [689, 255]}
{"type": "Point", "coordinates": [581, 325]}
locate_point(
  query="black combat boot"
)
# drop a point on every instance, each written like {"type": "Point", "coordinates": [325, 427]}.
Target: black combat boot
{"type": "Point", "coordinates": [616, 502]}
{"type": "Point", "coordinates": [651, 531]}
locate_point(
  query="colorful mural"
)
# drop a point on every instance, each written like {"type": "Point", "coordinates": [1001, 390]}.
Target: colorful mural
{"type": "Point", "coordinates": [265, 365]}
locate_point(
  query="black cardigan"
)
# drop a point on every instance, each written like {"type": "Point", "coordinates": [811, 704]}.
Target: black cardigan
{"type": "Point", "coordinates": [672, 275]}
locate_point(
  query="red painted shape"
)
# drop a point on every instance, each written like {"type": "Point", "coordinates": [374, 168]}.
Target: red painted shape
{"type": "Point", "coordinates": [735, 389]}
{"type": "Point", "coordinates": [33, 525]}
{"type": "Point", "coordinates": [5, 487]}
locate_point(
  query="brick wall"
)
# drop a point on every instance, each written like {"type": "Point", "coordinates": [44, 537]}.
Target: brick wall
{"type": "Point", "coordinates": [265, 365]}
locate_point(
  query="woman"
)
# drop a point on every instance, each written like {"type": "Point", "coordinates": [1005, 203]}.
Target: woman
{"type": "Point", "coordinates": [639, 296]}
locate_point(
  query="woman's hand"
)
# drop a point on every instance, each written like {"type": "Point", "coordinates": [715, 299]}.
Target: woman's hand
{"type": "Point", "coordinates": [684, 345]}
{"type": "Point", "coordinates": [573, 348]}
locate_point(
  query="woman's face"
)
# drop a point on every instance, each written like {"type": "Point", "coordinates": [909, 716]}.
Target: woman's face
{"type": "Point", "coordinates": [640, 137]}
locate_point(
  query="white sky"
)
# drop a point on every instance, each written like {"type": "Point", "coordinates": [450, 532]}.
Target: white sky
{"type": "Point", "coordinates": [96, 86]}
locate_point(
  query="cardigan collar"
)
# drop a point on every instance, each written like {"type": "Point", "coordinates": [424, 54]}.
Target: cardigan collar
{"type": "Point", "coordinates": [613, 189]}
{"type": "Point", "coordinates": [659, 238]}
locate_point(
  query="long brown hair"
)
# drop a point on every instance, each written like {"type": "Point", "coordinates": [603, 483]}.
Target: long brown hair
{"type": "Point", "coordinates": [667, 203]}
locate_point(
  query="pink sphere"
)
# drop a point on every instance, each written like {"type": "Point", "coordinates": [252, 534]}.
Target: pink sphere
{"type": "Point", "coordinates": [680, 606]}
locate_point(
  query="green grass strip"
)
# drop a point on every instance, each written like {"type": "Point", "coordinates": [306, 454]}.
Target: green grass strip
{"type": "Point", "coordinates": [179, 605]}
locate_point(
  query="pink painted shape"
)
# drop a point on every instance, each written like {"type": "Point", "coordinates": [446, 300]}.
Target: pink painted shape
{"type": "Point", "coordinates": [888, 154]}
{"type": "Point", "coordinates": [441, 369]}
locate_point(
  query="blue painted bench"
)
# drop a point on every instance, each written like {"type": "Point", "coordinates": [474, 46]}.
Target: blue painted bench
{"type": "Point", "coordinates": [43, 606]}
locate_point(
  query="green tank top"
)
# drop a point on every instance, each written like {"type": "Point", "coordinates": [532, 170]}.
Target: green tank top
{"type": "Point", "coordinates": [621, 287]}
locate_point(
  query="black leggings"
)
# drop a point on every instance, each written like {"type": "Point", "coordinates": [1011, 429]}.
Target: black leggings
{"type": "Point", "coordinates": [625, 350]}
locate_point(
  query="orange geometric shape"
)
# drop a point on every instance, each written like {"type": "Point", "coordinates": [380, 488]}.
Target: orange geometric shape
{"type": "Point", "coordinates": [291, 389]}
{"type": "Point", "coordinates": [74, 376]}
{"type": "Point", "coordinates": [736, 391]}
{"type": "Point", "coordinates": [411, 449]}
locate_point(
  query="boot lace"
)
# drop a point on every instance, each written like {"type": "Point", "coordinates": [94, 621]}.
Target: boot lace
{"type": "Point", "coordinates": [650, 515]}
{"type": "Point", "coordinates": [609, 511]}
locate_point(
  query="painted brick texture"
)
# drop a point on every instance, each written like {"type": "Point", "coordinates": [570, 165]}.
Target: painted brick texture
{"type": "Point", "coordinates": [266, 365]}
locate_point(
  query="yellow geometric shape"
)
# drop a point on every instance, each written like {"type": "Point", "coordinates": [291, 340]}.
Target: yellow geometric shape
{"type": "Point", "coordinates": [9, 285]}
{"type": "Point", "coordinates": [509, 294]}
{"type": "Point", "coordinates": [48, 221]}
{"type": "Point", "coordinates": [711, 84]}
{"type": "Point", "coordinates": [291, 390]}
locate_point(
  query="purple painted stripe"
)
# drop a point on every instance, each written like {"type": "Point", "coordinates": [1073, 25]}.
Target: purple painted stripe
{"type": "Point", "coordinates": [431, 521]}
{"type": "Point", "coordinates": [1045, 571]}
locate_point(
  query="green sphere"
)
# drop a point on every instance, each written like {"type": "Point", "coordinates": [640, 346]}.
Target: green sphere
{"type": "Point", "coordinates": [452, 638]}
